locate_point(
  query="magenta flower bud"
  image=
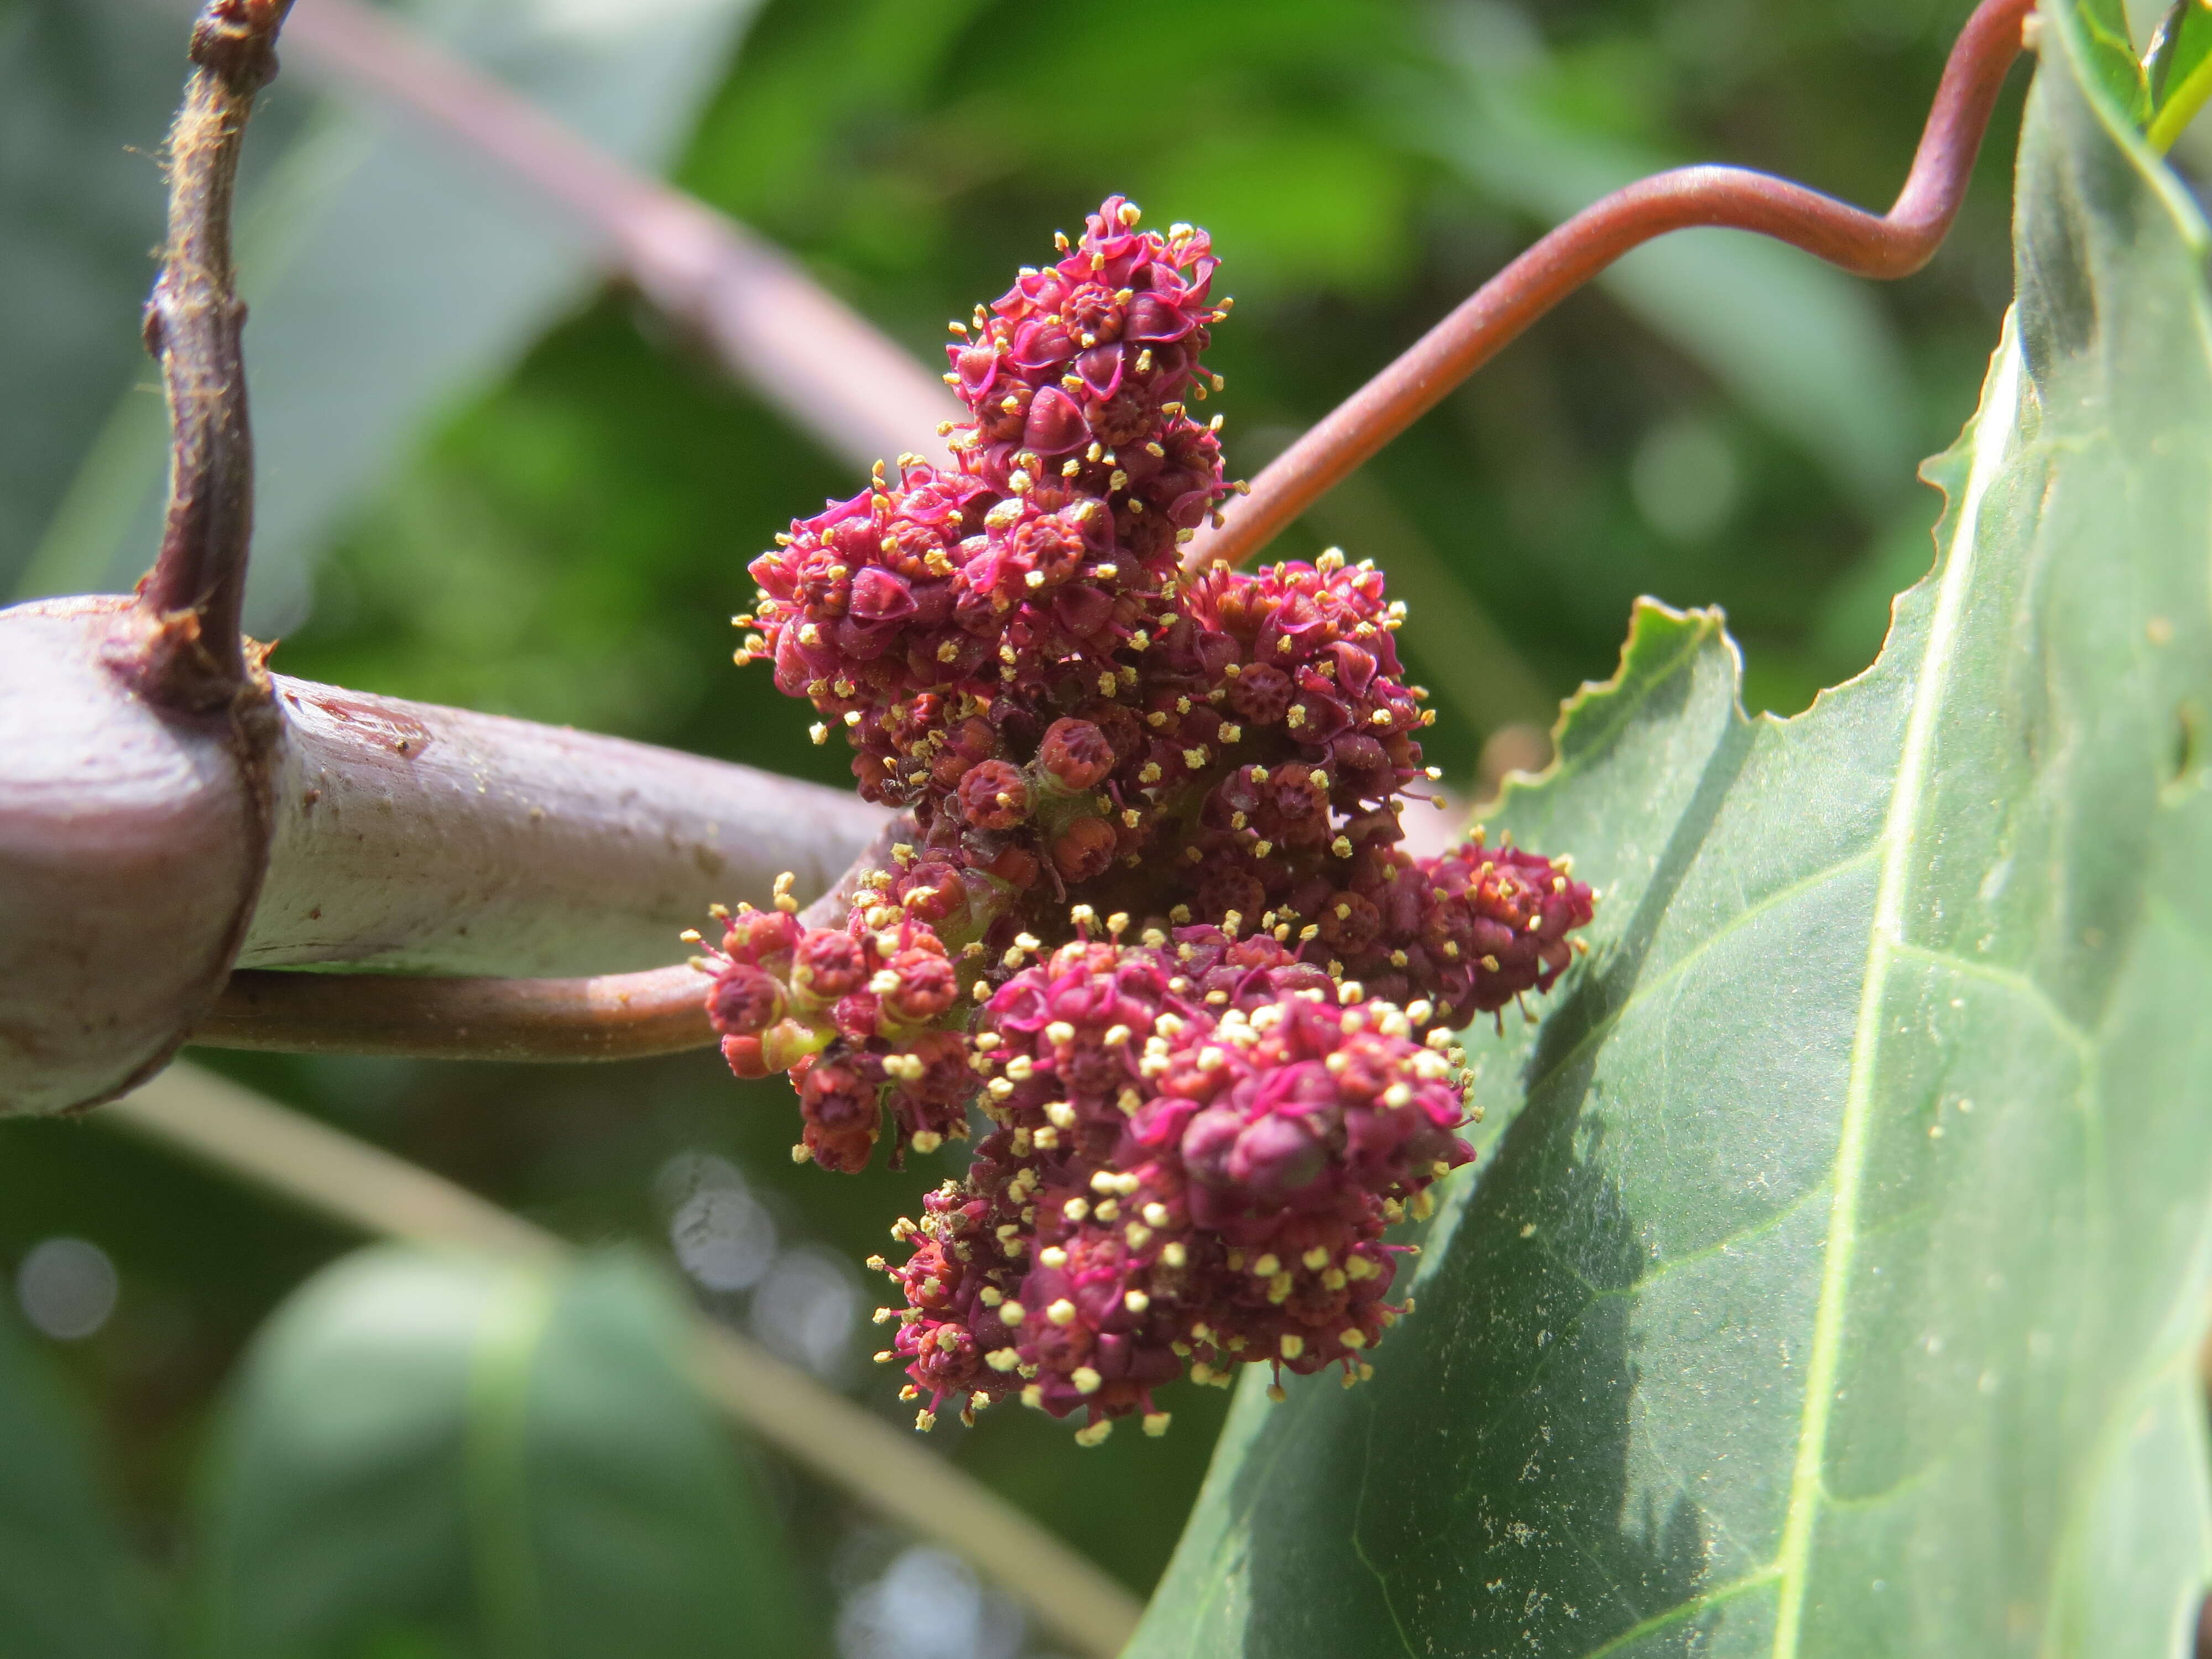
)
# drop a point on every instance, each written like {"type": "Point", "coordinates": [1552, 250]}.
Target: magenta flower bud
{"type": "Point", "coordinates": [1100, 370]}
{"type": "Point", "coordinates": [1084, 612]}
{"type": "Point", "coordinates": [977, 366]}
{"type": "Point", "coordinates": [1083, 849]}
{"type": "Point", "coordinates": [826, 965]}
{"type": "Point", "coordinates": [1155, 318]}
{"type": "Point", "coordinates": [994, 795]}
{"type": "Point", "coordinates": [927, 986]}
{"type": "Point", "coordinates": [837, 1099]}
{"type": "Point", "coordinates": [759, 936]}
{"type": "Point", "coordinates": [1041, 346]}
{"type": "Point", "coordinates": [1349, 923]}
{"type": "Point", "coordinates": [1048, 548]}
{"type": "Point", "coordinates": [880, 597]}
{"type": "Point", "coordinates": [745, 1001]}
{"type": "Point", "coordinates": [1055, 423]}
{"type": "Point", "coordinates": [1275, 1157]}
{"type": "Point", "coordinates": [1075, 754]}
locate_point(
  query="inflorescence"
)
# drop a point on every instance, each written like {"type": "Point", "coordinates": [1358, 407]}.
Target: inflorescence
{"type": "Point", "coordinates": [1205, 1110]}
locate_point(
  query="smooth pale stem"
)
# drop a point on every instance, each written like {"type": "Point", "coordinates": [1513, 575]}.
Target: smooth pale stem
{"type": "Point", "coordinates": [427, 840]}
{"type": "Point", "coordinates": [362, 1187]}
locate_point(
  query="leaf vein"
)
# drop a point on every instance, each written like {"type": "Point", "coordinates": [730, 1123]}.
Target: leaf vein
{"type": "Point", "coordinates": [1915, 764]}
{"type": "Point", "coordinates": [1690, 957]}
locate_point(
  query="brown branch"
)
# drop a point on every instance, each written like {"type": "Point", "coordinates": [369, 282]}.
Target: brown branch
{"type": "Point", "coordinates": [360, 1186]}
{"type": "Point", "coordinates": [610, 1017]}
{"type": "Point", "coordinates": [769, 323]}
{"type": "Point", "coordinates": [1887, 245]}
{"type": "Point", "coordinates": [193, 325]}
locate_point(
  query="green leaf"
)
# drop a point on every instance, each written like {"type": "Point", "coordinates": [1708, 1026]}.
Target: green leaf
{"type": "Point", "coordinates": [2180, 70]}
{"type": "Point", "coordinates": [433, 1455]}
{"type": "Point", "coordinates": [69, 1588]}
{"type": "Point", "coordinates": [1835, 1281]}
{"type": "Point", "coordinates": [1806, 349]}
{"type": "Point", "coordinates": [387, 276]}
{"type": "Point", "coordinates": [2109, 58]}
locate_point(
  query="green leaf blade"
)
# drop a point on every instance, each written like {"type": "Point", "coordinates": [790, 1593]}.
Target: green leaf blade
{"type": "Point", "coordinates": [69, 1587]}
{"type": "Point", "coordinates": [1835, 1286]}
{"type": "Point", "coordinates": [485, 1460]}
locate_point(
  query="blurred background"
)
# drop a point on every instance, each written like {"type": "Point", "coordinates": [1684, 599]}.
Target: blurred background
{"type": "Point", "coordinates": [493, 478]}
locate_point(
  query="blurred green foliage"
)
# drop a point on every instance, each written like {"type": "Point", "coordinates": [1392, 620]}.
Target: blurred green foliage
{"type": "Point", "coordinates": [569, 543]}
{"type": "Point", "coordinates": [440, 1455]}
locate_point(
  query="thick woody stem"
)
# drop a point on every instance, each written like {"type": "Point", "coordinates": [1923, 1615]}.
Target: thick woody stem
{"type": "Point", "coordinates": [768, 323]}
{"type": "Point", "coordinates": [415, 839]}
{"type": "Point", "coordinates": [1867, 244]}
{"type": "Point", "coordinates": [193, 325]}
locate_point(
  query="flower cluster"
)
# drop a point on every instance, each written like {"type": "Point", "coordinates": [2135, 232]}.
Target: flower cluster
{"type": "Point", "coordinates": [910, 610]}
{"type": "Point", "coordinates": [852, 1013]}
{"type": "Point", "coordinates": [1199, 1143]}
{"type": "Point", "coordinates": [1199, 1136]}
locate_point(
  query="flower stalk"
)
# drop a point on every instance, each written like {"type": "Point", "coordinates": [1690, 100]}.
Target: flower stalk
{"type": "Point", "coordinates": [1882, 245]}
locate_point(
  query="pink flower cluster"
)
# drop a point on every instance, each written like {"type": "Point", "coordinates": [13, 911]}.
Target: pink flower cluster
{"type": "Point", "coordinates": [851, 1014]}
{"type": "Point", "coordinates": [1054, 541]}
{"type": "Point", "coordinates": [1201, 1136]}
{"type": "Point", "coordinates": [1200, 1143]}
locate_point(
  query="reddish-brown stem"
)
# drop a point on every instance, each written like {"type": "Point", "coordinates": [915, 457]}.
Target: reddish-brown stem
{"type": "Point", "coordinates": [193, 325]}
{"type": "Point", "coordinates": [614, 1017]}
{"type": "Point", "coordinates": [769, 324]}
{"type": "Point", "coordinates": [1896, 243]}
{"type": "Point", "coordinates": [611, 1016]}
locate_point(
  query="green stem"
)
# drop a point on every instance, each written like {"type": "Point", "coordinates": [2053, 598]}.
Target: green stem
{"type": "Point", "coordinates": [2181, 108]}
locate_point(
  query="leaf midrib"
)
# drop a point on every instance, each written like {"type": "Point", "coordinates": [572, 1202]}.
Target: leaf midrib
{"type": "Point", "coordinates": [1992, 434]}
